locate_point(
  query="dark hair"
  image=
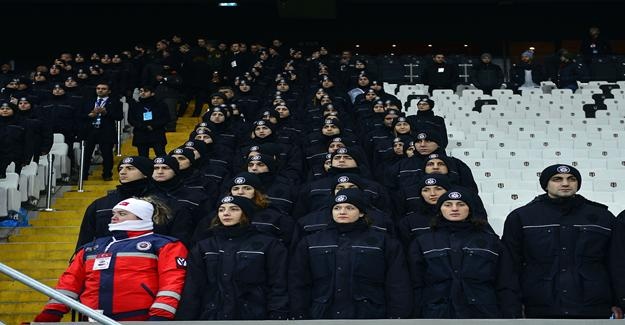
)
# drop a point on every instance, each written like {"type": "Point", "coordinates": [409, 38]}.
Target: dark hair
{"type": "Point", "coordinates": [162, 213]}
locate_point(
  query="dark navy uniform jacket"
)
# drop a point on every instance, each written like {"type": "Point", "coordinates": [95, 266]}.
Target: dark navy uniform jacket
{"type": "Point", "coordinates": [236, 274]}
{"type": "Point", "coordinates": [349, 271]}
{"type": "Point", "coordinates": [460, 271]}
{"type": "Point", "coordinates": [569, 257]}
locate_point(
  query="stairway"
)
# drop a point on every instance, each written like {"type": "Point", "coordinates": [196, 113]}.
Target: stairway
{"type": "Point", "coordinates": [42, 250]}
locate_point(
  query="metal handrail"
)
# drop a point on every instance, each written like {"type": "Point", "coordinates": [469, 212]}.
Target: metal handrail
{"type": "Point", "coordinates": [40, 287]}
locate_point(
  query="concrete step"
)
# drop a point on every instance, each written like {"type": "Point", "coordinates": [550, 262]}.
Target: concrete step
{"type": "Point", "coordinates": [10, 285]}
{"type": "Point", "coordinates": [38, 255]}
{"type": "Point", "coordinates": [16, 319]}
{"type": "Point", "coordinates": [60, 213]}
{"type": "Point", "coordinates": [77, 201]}
{"type": "Point", "coordinates": [43, 238]}
{"type": "Point", "coordinates": [50, 230]}
{"type": "Point", "coordinates": [25, 266]}
{"type": "Point", "coordinates": [73, 221]}
{"type": "Point", "coordinates": [37, 246]}
{"type": "Point", "coordinates": [21, 307]}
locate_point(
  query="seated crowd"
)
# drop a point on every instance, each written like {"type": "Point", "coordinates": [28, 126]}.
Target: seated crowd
{"type": "Point", "coordinates": [303, 192]}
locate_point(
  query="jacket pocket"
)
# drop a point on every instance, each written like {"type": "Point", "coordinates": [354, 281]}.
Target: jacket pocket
{"type": "Point", "coordinates": [369, 264]}
{"type": "Point", "coordinates": [251, 267]}
{"type": "Point", "coordinates": [593, 241]}
{"type": "Point", "coordinates": [541, 241]}
{"type": "Point", "coordinates": [595, 282]}
{"type": "Point", "coordinates": [371, 306]}
{"type": "Point", "coordinates": [480, 264]}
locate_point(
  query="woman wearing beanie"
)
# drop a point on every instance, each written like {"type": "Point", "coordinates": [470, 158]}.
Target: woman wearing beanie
{"type": "Point", "coordinates": [267, 219]}
{"type": "Point", "coordinates": [135, 174]}
{"type": "Point", "coordinates": [132, 274]}
{"type": "Point", "coordinates": [459, 268]}
{"type": "Point", "coordinates": [417, 205]}
{"type": "Point", "coordinates": [279, 189]}
{"type": "Point", "coordinates": [188, 206]}
{"type": "Point", "coordinates": [349, 270]}
{"type": "Point", "coordinates": [191, 177]}
{"type": "Point", "coordinates": [426, 119]}
{"type": "Point", "coordinates": [236, 273]}
{"type": "Point", "coordinates": [16, 139]}
{"type": "Point", "coordinates": [318, 220]}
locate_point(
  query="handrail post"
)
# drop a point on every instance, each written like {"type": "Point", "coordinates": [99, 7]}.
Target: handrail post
{"type": "Point", "coordinates": [50, 170]}
{"type": "Point", "coordinates": [119, 138]}
{"type": "Point", "coordinates": [81, 172]}
{"type": "Point", "coordinates": [34, 284]}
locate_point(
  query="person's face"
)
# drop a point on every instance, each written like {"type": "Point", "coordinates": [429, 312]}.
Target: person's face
{"type": "Point", "coordinates": [244, 87]}
{"type": "Point", "coordinates": [183, 161]}
{"type": "Point", "coordinates": [262, 131]}
{"type": "Point", "coordinates": [243, 190]}
{"type": "Point", "coordinates": [423, 106]}
{"type": "Point", "coordinates": [24, 105]}
{"type": "Point", "coordinates": [344, 161]}
{"type": "Point", "coordinates": [342, 186]}
{"type": "Point", "coordinates": [330, 130]}
{"type": "Point", "coordinates": [486, 60]}
{"type": "Point", "coordinates": [243, 47]}
{"type": "Point", "coordinates": [402, 127]}
{"type": "Point", "coordinates": [257, 167]}
{"type": "Point", "coordinates": [122, 215]}
{"type": "Point", "coordinates": [58, 91]}
{"type": "Point", "coordinates": [105, 59]}
{"type": "Point", "coordinates": [145, 93]}
{"type": "Point", "coordinates": [334, 146]}
{"type": "Point", "coordinates": [594, 32]}
{"type": "Point", "coordinates": [71, 83]}
{"type": "Point", "coordinates": [66, 57]}
{"type": "Point", "coordinates": [363, 81]}
{"type": "Point", "coordinates": [439, 58]}
{"type": "Point", "coordinates": [525, 58]}
{"type": "Point", "coordinates": [398, 148]}
{"type": "Point", "coordinates": [254, 48]}
{"type": "Point", "coordinates": [327, 83]}
{"type": "Point", "coordinates": [323, 51]}
{"type": "Point", "coordinates": [345, 213]}
{"type": "Point", "coordinates": [388, 120]}
{"type": "Point", "coordinates": [378, 108]}
{"type": "Point", "coordinates": [326, 100]}
{"type": "Point", "coordinates": [410, 151]}
{"type": "Point", "coordinates": [160, 46]}
{"type": "Point", "coordinates": [204, 137]}
{"type": "Point", "coordinates": [283, 111]}
{"type": "Point", "coordinates": [227, 92]}
{"type": "Point", "coordinates": [370, 96]}
{"type": "Point", "coordinates": [102, 90]}
{"type": "Point", "coordinates": [128, 173]}
{"type": "Point", "coordinates": [217, 117]}
{"type": "Point", "coordinates": [327, 164]}
{"type": "Point", "coordinates": [235, 47]}
{"type": "Point", "coordinates": [359, 65]}
{"type": "Point", "coordinates": [282, 87]}
{"type": "Point", "coordinates": [216, 101]}
{"type": "Point", "coordinates": [425, 147]}
{"type": "Point", "coordinates": [430, 194]}
{"type": "Point", "coordinates": [12, 85]}
{"type": "Point", "coordinates": [229, 214]}
{"type": "Point", "coordinates": [39, 77]}
{"type": "Point", "coordinates": [436, 166]}
{"type": "Point", "coordinates": [455, 210]}
{"type": "Point", "coordinates": [116, 59]}
{"type": "Point", "coordinates": [562, 186]}
{"type": "Point", "coordinates": [162, 173]}
{"type": "Point", "coordinates": [201, 42]}
{"type": "Point", "coordinates": [54, 70]}
{"type": "Point", "coordinates": [6, 111]}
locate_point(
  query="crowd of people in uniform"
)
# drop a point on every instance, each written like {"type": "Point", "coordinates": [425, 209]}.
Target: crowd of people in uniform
{"type": "Point", "coordinates": [304, 192]}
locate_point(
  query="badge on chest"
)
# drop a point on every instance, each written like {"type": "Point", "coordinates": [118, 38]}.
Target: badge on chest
{"type": "Point", "coordinates": [102, 261]}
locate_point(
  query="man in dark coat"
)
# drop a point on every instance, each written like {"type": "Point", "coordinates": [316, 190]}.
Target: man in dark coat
{"type": "Point", "coordinates": [487, 75]}
{"type": "Point", "coordinates": [440, 75]}
{"type": "Point", "coordinates": [148, 116]}
{"type": "Point", "coordinates": [567, 251]}
{"type": "Point", "coordinates": [98, 117]}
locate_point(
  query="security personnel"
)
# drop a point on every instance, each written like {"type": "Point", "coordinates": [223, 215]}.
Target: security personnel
{"type": "Point", "coordinates": [418, 204]}
{"type": "Point", "coordinates": [278, 188]}
{"type": "Point", "coordinates": [98, 117]}
{"type": "Point", "coordinates": [459, 268]}
{"type": "Point", "coordinates": [133, 275]}
{"type": "Point", "coordinates": [567, 251]}
{"type": "Point", "coordinates": [135, 173]}
{"type": "Point", "coordinates": [148, 116]}
{"type": "Point", "coordinates": [349, 271]}
{"type": "Point", "coordinates": [15, 139]}
{"type": "Point", "coordinates": [236, 273]}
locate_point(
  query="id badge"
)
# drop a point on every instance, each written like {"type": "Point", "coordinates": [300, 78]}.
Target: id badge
{"type": "Point", "coordinates": [102, 261]}
{"type": "Point", "coordinates": [441, 70]}
{"type": "Point", "coordinates": [147, 116]}
{"type": "Point", "coordinates": [233, 64]}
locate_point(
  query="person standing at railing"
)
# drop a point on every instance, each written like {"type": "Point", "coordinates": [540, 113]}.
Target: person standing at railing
{"type": "Point", "coordinates": [132, 275]}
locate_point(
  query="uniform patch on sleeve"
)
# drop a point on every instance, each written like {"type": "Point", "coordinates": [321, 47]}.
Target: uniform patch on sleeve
{"type": "Point", "coordinates": [181, 262]}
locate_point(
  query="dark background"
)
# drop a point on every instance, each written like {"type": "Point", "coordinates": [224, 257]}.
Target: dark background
{"type": "Point", "coordinates": [38, 30]}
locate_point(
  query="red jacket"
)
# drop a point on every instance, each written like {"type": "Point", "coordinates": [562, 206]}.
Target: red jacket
{"type": "Point", "coordinates": [142, 278]}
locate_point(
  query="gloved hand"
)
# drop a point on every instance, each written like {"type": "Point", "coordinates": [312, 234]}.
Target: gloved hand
{"type": "Point", "coordinates": [49, 316]}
